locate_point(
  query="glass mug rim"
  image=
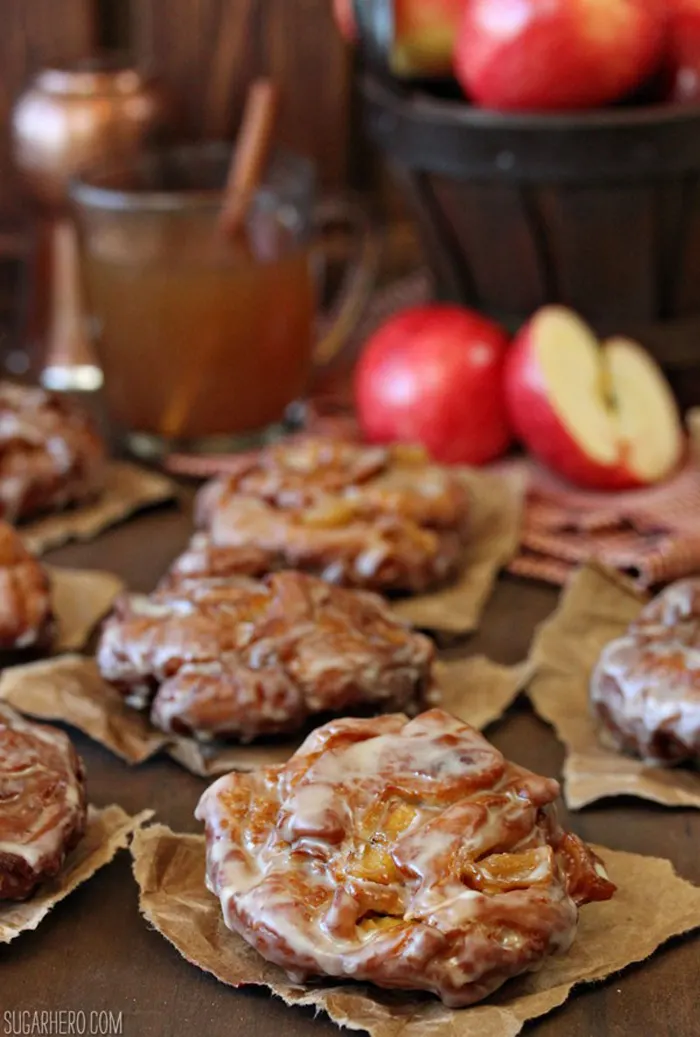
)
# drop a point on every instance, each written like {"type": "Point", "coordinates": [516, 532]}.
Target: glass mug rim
{"type": "Point", "coordinates": [288, 171]}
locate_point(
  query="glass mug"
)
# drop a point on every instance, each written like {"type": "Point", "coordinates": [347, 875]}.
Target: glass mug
{"type": "Point", "coordinates": [209, 343]}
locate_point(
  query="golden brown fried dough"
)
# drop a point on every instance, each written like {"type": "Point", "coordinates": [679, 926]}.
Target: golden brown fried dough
{"type": "Point", "coordinates": [645, 689]}
{"type": "Point", "coordinates": [43, 807]}
{"type": "Point", "coordinates": [409, 854]}
{"type": "Point", "coordinates": [241, 658]}
{"type": "Point", "coordinates": [26, 617]}
{"type": "Point", "coordinates": [51, 455]}
{"type": "Point", "coordinates": [379, 518]}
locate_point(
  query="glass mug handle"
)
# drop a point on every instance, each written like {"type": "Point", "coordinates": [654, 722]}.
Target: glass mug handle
{"type": "Point", "coordinates": [341, 319]}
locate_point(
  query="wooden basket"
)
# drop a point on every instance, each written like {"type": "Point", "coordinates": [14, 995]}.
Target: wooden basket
{"type": "Point", "coordinates": [600, 211]}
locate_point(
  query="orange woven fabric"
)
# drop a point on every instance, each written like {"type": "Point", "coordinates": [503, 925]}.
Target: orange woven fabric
{"type": "Point", "coordinates": [652, 534]}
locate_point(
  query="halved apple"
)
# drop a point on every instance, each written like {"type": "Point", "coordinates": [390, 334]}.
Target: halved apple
{"type": "Point", "coordinates": [601, 416]}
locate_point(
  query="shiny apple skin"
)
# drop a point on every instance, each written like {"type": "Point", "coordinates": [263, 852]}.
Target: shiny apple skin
{"type": "Point", "coordinates": [434, 375]}
{"type": "Point", "coordinates": [681, 75]}
{"type": "Point", "coordinates": [525, 55]}
{"type": "Point", "coordinates": [537, 425]}
{"type": "Point", "coordinates": [345, 19]}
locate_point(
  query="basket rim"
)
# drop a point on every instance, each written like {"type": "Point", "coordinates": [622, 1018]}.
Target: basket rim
{"type": "Point", "coordinates": [418, 105]}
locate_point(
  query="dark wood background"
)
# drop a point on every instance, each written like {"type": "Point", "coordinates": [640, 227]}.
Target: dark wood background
{"type": "Point", "coordinates": [206, 51]}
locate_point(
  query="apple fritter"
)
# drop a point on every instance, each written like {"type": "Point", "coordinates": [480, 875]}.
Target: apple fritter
{"type": "Point", "coordinates": [240, 658]}
{"type": "Point", "coordinates": [377, 518]}
{"type": "Point", "coordinates": [409, 854]}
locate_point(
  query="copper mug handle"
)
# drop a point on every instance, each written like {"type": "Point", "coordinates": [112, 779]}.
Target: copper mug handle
{"type": "Point", "coordinates": [343, 317]}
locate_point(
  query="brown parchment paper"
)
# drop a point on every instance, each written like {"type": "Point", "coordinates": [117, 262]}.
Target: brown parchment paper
{"type": "Point", "coordinates": [478, 690]}
{"type": "Point", "coordinates": [169, 869]}
{"type": "Point", "coordinates": [108, 831]}
{"type": "Point", "coordinates": [128, 489]}
{"type": "Point", "coordinates": [497, 510]}
{"type": "Point", "coordinates": [70, 689]}
{"type": "Point", "coordinates": [80, 598]}
{"type": "Point", "coordinates": [596, 607]}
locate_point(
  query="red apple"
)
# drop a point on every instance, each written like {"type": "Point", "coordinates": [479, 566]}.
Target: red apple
{"type": "Point", "coordinates": [602, 417]}
{"type": "Point", "coordinates": [345, 19]}
{"type": "Point", "coordinates": [682, 70]}
{"type": "Point", "coordinates": [434, 375]}
{"type": "Point", "coordinates": [562, 54]}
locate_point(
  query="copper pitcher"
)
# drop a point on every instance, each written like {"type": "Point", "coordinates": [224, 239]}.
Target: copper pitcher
{"type": "Point", "coordinates": [68, 120]}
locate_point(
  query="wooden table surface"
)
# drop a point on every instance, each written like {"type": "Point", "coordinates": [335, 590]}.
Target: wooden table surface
{"type": "Point", "coordinates": [95, 953]}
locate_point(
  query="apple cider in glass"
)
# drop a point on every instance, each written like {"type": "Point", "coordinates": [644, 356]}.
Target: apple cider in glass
{"type": "Point", "coordinates": [202, 340]}
{"type": "Point", "coordinates": [194, 350]}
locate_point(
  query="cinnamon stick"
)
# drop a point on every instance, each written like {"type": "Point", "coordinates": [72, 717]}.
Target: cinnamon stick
{"type": "Point", "coordinates": [246, 171]}
{"type": "Point", "coordinates": [250, 156]}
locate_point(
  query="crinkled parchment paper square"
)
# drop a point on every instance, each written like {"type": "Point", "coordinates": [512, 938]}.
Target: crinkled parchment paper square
{"type": "Point", "coordinates": [71, 689]}
{"type": "Point", "coordinates": [80, 598]}
{"type": "Point", "coordinates": [108, 831]}
{"type": "Point", "coordinates": [496, 517]}
{"type": "Point", "coordinates": [169, 869]}
{"type": "Point", "coordinates": [596, 607]}
{"type": "Point", "coordinates": [127, 490]}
